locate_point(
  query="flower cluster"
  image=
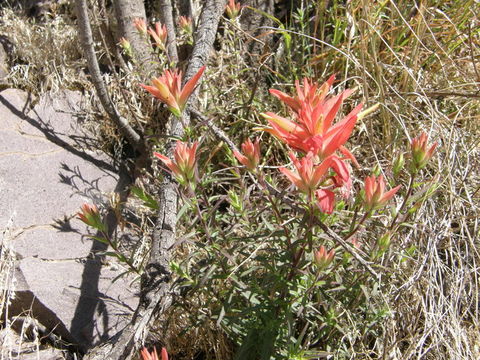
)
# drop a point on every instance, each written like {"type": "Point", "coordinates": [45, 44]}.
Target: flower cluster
{"type": "Point", "coordinates": [168, 89]}
{"type": "Point", "coordinates": [312, 132]}
{"type": "Point", "coordinates": [233, 9]}
{"type": "Point", "coordinates": [184, 165]}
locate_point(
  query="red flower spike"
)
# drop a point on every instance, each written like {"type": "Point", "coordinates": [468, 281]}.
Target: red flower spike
{"type": "Point", "coordinates": [310, 93]}
{"type": "Point", "coordinates": [159, 35]}
{"type": "Point", "coordinates": [375, 195]}
{"type": "Point", "coordinates": [184, 166]}
{"type": "Point", "coordinates": [140, 25]}
{"type": "Point", "coordinates": [323, 258]}
{"type": "Point", "coordinates": [421, 154]}
{"type": "Point", "coordinates": [168, 89]}
{"type": "Point", "coordinates": [252, 154]}
{"type": "Point", "coordinates": [313, 130]}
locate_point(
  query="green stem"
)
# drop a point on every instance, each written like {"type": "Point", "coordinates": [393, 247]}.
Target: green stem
{"type": "Point", "coordinates": [405, 200]}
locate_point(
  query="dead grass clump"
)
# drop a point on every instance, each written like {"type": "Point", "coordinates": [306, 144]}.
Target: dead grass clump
{"type": "Point", "coordinates": [46, 56]}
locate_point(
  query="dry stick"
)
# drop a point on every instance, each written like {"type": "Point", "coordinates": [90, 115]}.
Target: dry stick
{"type": "Point", "coordinates": [112, 65]}
{"type": "Point", "coordinates": [167, 19]}
{"type": "Point", "coordinates": [87, 44]}
{"type": "Point", "coordinates": [215, 129]}
{"type": "Point", "coordinates": [126, 11]}
{"type": "Point", "coordinates": [156, 292]}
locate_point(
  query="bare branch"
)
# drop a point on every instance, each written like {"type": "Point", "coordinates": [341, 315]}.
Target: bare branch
{"type": "Point", "coordinates": [126, 11]}
{"type": "Point", "coordinates": [86, 39]}
{"type": "Point", "coordinates": [166, 15]}
{"type": "Point", "coordinates": [156, 292]}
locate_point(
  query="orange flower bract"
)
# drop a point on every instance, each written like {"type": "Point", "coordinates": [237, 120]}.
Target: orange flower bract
{"type": "Point", "coordinates": [168, 89]}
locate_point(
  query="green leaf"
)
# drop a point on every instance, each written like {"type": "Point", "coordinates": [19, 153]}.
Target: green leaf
{"type": "Point", "coordinates": [148, 200]}
{"type": "Point", "coordinates": [101, 239]}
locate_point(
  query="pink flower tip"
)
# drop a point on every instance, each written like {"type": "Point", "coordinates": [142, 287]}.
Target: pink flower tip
{"type": "Point", "coordinates": [323, 258]}
{"type": "Point", "coordinates": [375, 195]}
{"type": "Point", "coordinates": [251, 159]}
{"type": "Point", "coordinates": [421, 153]}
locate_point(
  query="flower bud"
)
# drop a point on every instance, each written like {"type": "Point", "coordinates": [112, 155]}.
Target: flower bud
{"type": "Point", "coordinates": [91, 216]}
{"type": "Point", "coordinates": [126, 46]}
{"type": "Point", "coordinates": [185, 24]}
{"type": "Point", "coordinates": [398, 164]}
{"type": "Point", "coordinates": [251, 159]}
{"type": "Point", "coordinates": [140, 25]}
{"type": "Point", "coordinates": [233, 9]}
{"type": "Point", "coordinates": [421, 154]}
{"type": "Point", "coordinates": [184, 164]}
{"type": "Point", "coordinates": [323, 258]}
{"type": "Point", "coordinates": [375, 195]}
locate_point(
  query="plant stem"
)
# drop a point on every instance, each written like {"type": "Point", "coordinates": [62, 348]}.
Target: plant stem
{"type": "Point", "coordinates": [405, 200]}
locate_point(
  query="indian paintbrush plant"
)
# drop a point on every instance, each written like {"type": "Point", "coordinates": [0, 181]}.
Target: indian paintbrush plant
{"type": "Point", "coordinates": [286, 256]}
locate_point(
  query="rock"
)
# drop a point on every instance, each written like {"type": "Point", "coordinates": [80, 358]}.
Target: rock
{"type": "Point", "coordinates": [45, 176]}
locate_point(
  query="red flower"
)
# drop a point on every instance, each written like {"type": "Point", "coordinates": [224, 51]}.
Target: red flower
{"type": "Point", "coordinates": [252, 154]}
{"type": "Point", "coordinates": [375, 195]}
{"type": "Point", "coordinates": [184, 166]}
{"type": "Point", "coordinates": [168, 89]}
{"type": "Point", "coordinates": [312, 130]}
{"type": "Point", "coordinates": [159, 35]}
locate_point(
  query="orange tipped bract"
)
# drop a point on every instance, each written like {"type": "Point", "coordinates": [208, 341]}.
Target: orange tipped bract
{"type": "Point", "coordinates": [421, 153]}
{"type": "Point", "coordinates": [183, 166]}
{"type": "Point", "coordinates": [168, 89]}
{"type": "Point", "coordinates": [251, 159]}
{"type": "Point", "coordinates": [375, 195]}
{"type": "Point", "coordinates": [323, 258]}
{"type": "Point", "coordinates": [159, 35]}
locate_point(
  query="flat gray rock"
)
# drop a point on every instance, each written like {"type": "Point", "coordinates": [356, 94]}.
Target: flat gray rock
{"type": "Point", "coordinates": [45, 176]}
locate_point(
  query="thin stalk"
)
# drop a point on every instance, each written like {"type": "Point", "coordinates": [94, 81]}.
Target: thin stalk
{"type": "Point", "coordinates": [405, 200]}
{"type": "Point", "coordinates": [360, 223]}
{"type": "Point", "coordinates": [113, 245]}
